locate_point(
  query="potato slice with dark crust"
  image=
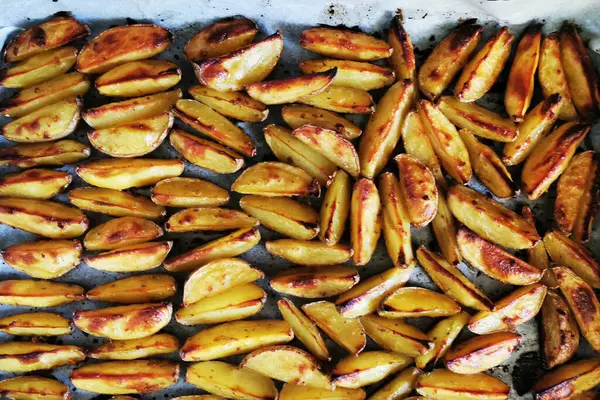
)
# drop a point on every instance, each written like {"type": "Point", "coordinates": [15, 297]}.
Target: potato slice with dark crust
{"type": "Point", "coordinates": [490, 219]}
{"type": "Point", "coordinates": [442, 335]}
{"type": "Point", "coordinates": [396, 335]}
{"type": "Point", "coordinates": [161, 343]}
{"type": "Point", "coordinates": [567, 252]}
{"type": "Point", "coordinates": [569, 380]}
{"type": "Point", "coordinates": [41, 184]}
{"type": "Point", "coordinates": [560, 332]}
{"type": "Point", "coordinates": [56, 32]}
{"type": "Point", "coordinates": [299, 392]}
{"type": "Point", "coordinates": [368, 367]}
{"type": "Point", "coordinates": [188, 192]}
{"type": "Point", "coordinates": [481, 353]}
{"type": "Point", "coordinates": [289, 90]}
{"type": "Point", "coordinates": [399, 387]}
{"type": "Point", "coordinates": [43, 259]}
{"type": "Point", "coordinates": [315, 283]}
{"type": "Point", "coordinates": [551, 157]}
{"type": "Point", "coordinates": [34, 387]}
{"type": "Point", "coordinates": [537, 255]}
{"type": "Point", "coordinates": [36, 293]}
{"type": "Point", "coordinates": [417, 144]}
{"type": "Point", "coordinates": [344, 43]}
{"type": "Point", "coordinates": [31, 356]}
{"type": "Point", "coordinates": [122, 44]}
{"type": "Point", "coordinates": [209, 219]}
{"type": "Point", "coordinates": [480, 74]}
{"type": "Point", "coordinates": [409, 302]}
{"type": "Point", "coordinates": [29, 155]}
{"type": "Point", "coordinates": [360, 75]}
{"type": "Point", "coordinates": [235, 70]}
{"type": "Point", "coordinates": [297, 115]}
{"type": "Point", "coordinates": [236, 105]}
{"type": "Point", "coordinates": [335, 208]}
{"type": "Point", "coordinates": [220, 38]}
{"type": "Point", "coordinates": [403, 56]}
{"type": "Point", "coordinates": [418, 190]}
{"type": "Point", "coordinates": [365, 220]}
{"type": "Point", "coordinates": [383, 129]}
{"type": "Point", "coordinates": [115, 203]}
{"type": "Point", "coordinates": [304, 329]}
{"type": "Point", "coordinates": [138, 78]}
{"type": "Point", "coordinates": [342, 99]}
{"type": "Point", "coordinates": [521, 79]}
{"type": "Point", "coordinates": [447, 58]}
{"type": "Point", "coordinates": [35, 324]}
{"type": "Point", "coordinates": [131, 258]}
{"type": "Point", "coordinates": [275, 179]}
{"type": "Point", "coordinates": [346, 332]}
{"type": "Point", "coordinates": [135, 289]}
{"type": "Point", "coordinates": [444, 384]}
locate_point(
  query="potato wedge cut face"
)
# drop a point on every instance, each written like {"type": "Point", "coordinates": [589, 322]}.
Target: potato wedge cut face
{"type": "Point", "coordinates": [29, 155]}
{"type": "Point", "coordinates": [275, 179]}
{"type": "Point", "coordinates": [35, 324]}
{"type": "Point", "coordinates": [138, 78]}
{"type": "Point", "coordinates": [335, 208]}
{"type": "Point", "coordinates": [115, 203]}
{"type": "Point", "coordinates": [481, 352]}
{"type": "Point", "coordinates": [396, 335]}
{"type": "Point", "coordinates": [403, 54]}
{"type": "Point", "coordinates": [444, 228]}
{"type": "Point", "coordinates": [289, 90]}
{"type": "Point", "coordinates": [360, 75]}
{"type": "Point", "coordinates": [188, 192]}
{"type": "Point", "coordinates": [417, 302]}
{"type": "Point", "coordinates": [442, 383]}
{"type": "Point", "coordinates": [31, 356]}
{"type": "Point", "coordinates": [35, 293]}
{"type": "Point", "coordinates": [22, 386]}
{"type": "Point", "coordinates": [344, 44]}
{"type": "Point", "coordinates": [442, 335]}
{"type": "Point", "coordinates": [400, 386]}
{"type": "Point", "coordinates": [36, 183]}
{"type": "Point", "coordinates": [297, 115]}
{"type": "Point", "coordinates": [236, 105]}
{"type": "Point", "coordinates": [418, 190]}
{"type": "Point", "coordinates": [297, 392]}
{"type": "Point", "coordinates": [131, 258]}
{"type": "Point", "coordinates": [560, 331]}
{"type": "Point", "coordinates": [161, 343]}
{"type": "Point", "coordinates": [537, 255]}
{"type": "Point", "coordinates": [135, 289]}
{"type": "Point", "coordinates": [208, 219]}
{"type": "Point", "coordinates": [365, 220]}
{"type": "Point", "coordinates": [569, 380]}
{"type": "Point", "coordinates": [367, 368]}
{"type": "Point", "coordinates": [342, 100]}
{"type": "Point", "coordinates": [44, 259]}
{"type": "Point", "coordinates": [304, 329]}
{"type": "Point", "coordinates": [120, 232]}
{"type": "Point", "coordinates": [567, 252]}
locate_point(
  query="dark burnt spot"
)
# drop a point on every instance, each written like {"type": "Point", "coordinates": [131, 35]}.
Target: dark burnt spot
{"type": "Point", "coordinates": [38, 36]}
{"type": "Point", "coordinates": [230, 29]}
{"type": "Point", "coordinates": [585, 301]}
{"type": "Point", "coordinates": [462, 36]}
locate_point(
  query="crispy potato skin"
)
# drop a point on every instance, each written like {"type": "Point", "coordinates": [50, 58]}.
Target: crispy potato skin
{"type": "Point", "coordinates": [161, 343]}
{"type": "Point", "coordinates": [573, 255]}
{"type": "Point", "coordinates": [403, 55]}
{"type": "Point", "coordinates": [342, 99]}
{"type": "Point", "coordinates": [442, 383]}
{"type": "Point", "coordinates": [537, 255]}
{"type": "Point", "coordinates": [297, 115]}
{"type": "Point", "coordinates": [220, 38]}
{"type": "Point", "coordinates": [20, 387]}
{"type": "Point", "coordinates": [32, 356]}
{"type": "Point", "coordinates": [481, 352]}
{"type": "Point", "coordinates": [35, 183]}
{"type": "Point", "coordinates": [314, 283]}
{"type": "Point", "coordinates": [121, 232]}
{"type": "Point", "coordinates": [365, 220]}
{"type": "Point", "coordinates": [43, 259]}
{"type": "Point", "coordinates": [344, 44]}
{"type": "Point", "coordinates": [335, 208]}
{"type": "Point", "coordinates": [569, 380]}
{"type": "Point", "coordinates": [289, 90]}
{"type": "Point", "coordinates": [208, 219]}
{"type": "Point", "coordinates": [29, 155]}
{"type": "Point", "coordinates": [360, 75]}
{"type": "Point", "coordinates": [560, 332]}
{"type": "Point", "coordinates": [418, 190]}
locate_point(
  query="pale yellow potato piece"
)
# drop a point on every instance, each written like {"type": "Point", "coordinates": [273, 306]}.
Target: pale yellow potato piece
{"type": "Point", "coordinates": [368, 367]}
{"type": "Point", "coordinates": [120, 232]}
{"type": "Point", "coordinates": [418, 190]}
{"type": "Point", "coordinates": [34, 183]}
{"type": "Point", "coordinates": [188, 192]}
{"type": "Point", "coordinates": [31, 356]}
{"type": "Point", "coordinates": [29, 155]}
{"type": "Point", "coordinates": [335, 208]}
{"type": "Point", "coordinates": [560, 331]}
{"type": "Point", "coordinates": [356, 74]}
{"type": "Point", "coordinates": [135, 289]}
{"type": "Point", "coordinates": [365, 220]}
{"type": "Point", "coordinates": [417, 302]}
{"type": "Point", "coordinates": [345, 44]}
{"type": "Point", "coordinates": [304, 329]}
{"type": "Point", "coordinates": [396, 335]}
{"type": "Point", "coordinates": [567, 252]}
{"type": "Point", "coordinates": [569, 380]}
{"type": "Point", "coordinates": [35, 324]}
{"type": "Point", "coordinates": [34, 387]}
{"type": "Point", "coordinates": [43, 259]}
{"type": "Point", "coordinates": [297, 115]}
{"type": "Point", "coordinates": [35, 293]}
{"type": "Point", "coordinates": [399, 387]}
{"type": "Point", "coordinates": [115, 203]}
{"type": "Point", "coordinates": [275, 179]}
{"type": "Point", "coordinates": [342, 100]}
{"type": "Point", "coordinates": [289, 90]}
{"type": "Point", "coordinates": [161, 343]}
{"type": "Point", "coordinates": [131, 258]}
{"type": "Point", "coordinates": [537, 255]}
{"type": "Point", "coordinates": [442, 335]}
{"type": "Point", "coordinates": [208, 219]}
{"type": "Point", "coordinates": [448, 385]}
{"type": "Point", "coordinates": [445, 228]}
{"type": "Point", "coordinates": [299, 392]}
{"type": "Point", "coordinates": [403, 55]}
{"type": "Point", "coordinates": [138, 78]}
{"type": "Point", "coordinates": [236, 105]}
{"type": "Point", "coordinates": [481, 353]}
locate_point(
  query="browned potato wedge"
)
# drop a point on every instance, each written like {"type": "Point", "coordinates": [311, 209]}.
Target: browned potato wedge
{"type": "Point", "coordinates": [579, 71]}
{"type": "Point", "coordinates": [161, 343]}
{"type": "Point", "coordinates": [297, 115]}
{"type": "Point", "coordinates": [444, 229]}
{"type": "Point", "coordinates": [39, 68]}
{"type": "Point", "coordinates": [42, 217]}
{"type": "Point", "coordinates": [287, 364]}
{"type": "Point", "coordinates": [188, 192]}
{"type": "Point", "coordinates": [560, 332]}
{"type": "Point", "coordinates": [50, 153]}
{"type": "Point", "coordinates": [490, 219]}
{"type": "Point", "coordinates": [35, 324]}
{"type": "Point", "coordinates": [417, 302]}
{"type": "Point", "coordinates": [481, 353]}
{"type": "Point", "coordinates": [238, 302]}
{"type": "Point", "coordinates": [274, 179]}
{"type": "Point", "coordinates": [138, 78]}
{"type": "Point", "coordinates": [573, 255]}
{"type": "Point", "coordinates": [452, 282]}
{"type": "Point", "coordinates": [551, 157]}
{"type": "Point", "coordinates": [31, 356]}
{"type": "Point", "coordinates": [235, 70]}
{"type": "Point", "coordinates": [537, 255]}
{"type": "Point", "coordinates": [399, 387]}
{"type": "Point", "coordinates": [335, 208]}
{"type": "Point", "coordinates": [220, 38]}
{"type": "Point", "coordinates": [120, 232]}
{"type": "Point", "coordinates": [369, 367]}
{"type": "Point", "coordinates": [289, 90]}
{"type": "Point", "coordinates": [304, 329]}
{"type": "Point", "coordinates": [135, 289]}
{"type": "Point", "coordinates": [44, 259]}
{"type": "Point", "coordinates": [569, 380]}
{"type": "Point", "coordinates": [231, 245]}
{"type": "Point", "coordinates": [442, 335]}
{"type": "Point", "coordinates": [345, 44]}
{"type": "Point", "coordinates": [396, 335]}
{"type": "Point", "coordinates": [446, 142]}
{"type": "Point", "coordinates": [444, 384]}
{"type": "Point", "coordinates": [403, 54]}
{"type": "Point", "coordinates": [418, 190]}
{"type": "Point", "coordinates": [447, 58]}
{"type": "Point", "coordinates": [208, 219]}
{"type": "Point", "coordinates": [482, 71]}
{"type": "Point", "coordinates": [365, 220]}
{"type": "Point", "coordinates": [34, 183]}
{"type": "Point", "coordinates": [342, 99]}
{"type": "Point", "coordinates": [122, 44]}
{"type": "Point", "coordinates": [115, 203]}
{"type": "Point", "coordinates": [511, 311]}
{"type": "Point", "coordinates": [346, 332]}
{"type": "Point", "coordinates": [236, 105]}
{"type": "Point", "coordinates": [360, 75]}
{"type": "Point", "coordinates": [298, 392]}
{"type": "Point", "coordinates": [383, 129]}
{"type": "Point", "coordinates": [34, 387]}
{"type": "Point", "coordinates": [417, 144]}
{"type": "Point", "coordinates": [131, 258]}
{"type": "Point", "coordinates": [521, 79]}
{"type": "Point", "coordinates": [33, 293]}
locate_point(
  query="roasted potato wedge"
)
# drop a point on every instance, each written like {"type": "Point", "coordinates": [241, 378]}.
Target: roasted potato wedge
{"type": "Point", "coordinates": [403, 54]}
{"type": "Point", "coordinates": [208, 219]}
{"type": "Point", "coordinates": [417, 302]}
{"type": "Point", "coordinates": [304, 329]}
{"type": "Point", "coordinates": [345, 44]}
{"type": "Point", "coordinates": [537, 255]}
{"type": "Point", "coordinates": [445, 384]}
{"type": "Point", "coordinates": [560, 331]}
{"type": "Point", "coordinates": [573, 255]}
{"type": "Point", "coordinates": [569, 380]}
{"type": "Point", "coordinates": [115, 203]}
{"type": "Point", "coordinates": [368, 367]}
{"type": "Point", "coordinates": [417, 144]}
{"type": "Point", "coordinates": [291, 391]}
{"type": "Point", "coordinates": [335, 208]}
{"type": "Point", "coordinates": [34, 387]}
{"type": "Point", "coordinates": [120, 232]}
{"type": "Point", "coordinates": [31, 356]}
{"type": "Point", "coordinates": [161, 343]}
{"type": "Point", "coordinates": [44, 259]}
{"type": "Point", "coordinates": [275, 179]}
{"type": "Point", "coordinates": [342, 100]}
{"type": "Point", "coordinates": [442, 335]}
{"type": "Point", "coordinates": [236, 105]}
{"type": "Point", "coordinates": [365, 220]}
{"type": "Point", "coordinates": [29, 155]}
{"type": "Point", "coordinates": [399, 387]}
{"type": "Point", "coordinates": [131, 258]}
{"type": "Point", "coordinates": [34, 183]}
{"type": "Point", "coordinates": [447, 58]}
{"type": "Point", "coordinates": [444, 229]}
{"type": "Point", "coordinates": [418, 190]}
{"type": "Point", "coordinates": [35, 324]}
{"type": "Point", "coordinates": [220, 38]}
{"type": "Point", "coordinates": [551, 157]}
{"type": "Point", "coordinates": [135, 289]}
{"type": "Point", "coordinates": [138, 78]}
{"type": "Point", "coordinates": [355, 74]}
{"type": "Point", "coordinates": [289, 90]}
{"type": "Point", "coordinates": [481, 353]}
{"type": "Point", "coordinates": [383, 129]}
{"type": "Point", "coordinates": [188, 192]}
{"type": "Point", "coordinates": [297, 115]}
{"type": "Point", "coordinates": [521, 79]}
{"type": "Point", "coordinates": [34, 293]}
{"type": "Point", "coordinates": [396, 335]}
{"type": "Point", "coordinates": [247, 65]}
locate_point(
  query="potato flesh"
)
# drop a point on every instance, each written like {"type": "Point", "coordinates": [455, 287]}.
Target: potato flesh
{"type": "Point", "coordinates": [396, 336]}
{"type": "Point", "coordinates": [418, 190]}
{"type": "Point", "coordinates": [131, 258]}
{"type": "Point", "coordinates": [138, 78]}
{"type": "Point", "coordinates": [344, 44]}
{"type": "Point", "coordinates": [568, 253]}
{"type": "Point", "coordinates": [24, 387]}
{"type": "Point", "coordinates": [35, 183]}
{"type": "Point", "coordinates": [482, 352]}
{"type": "Point", "coordinates": [135, 289]}
{"type": "Point", "coordinates": [236, 105]}
{"type": "Point", "coordinates": [367, 368]}
{"type": "Point", "coordinates": [208, 219]}
{"type": "Point", "coordinates": [31, 356]}
{"type": "Point", "coordinates": [289, 90]}
{"type": "Point", "coordinates": [35, 293]}
{"type": "Point", "coordinates": [342, 100]}
{"type": "Point", "coordinates": [35, 324]}
{"type": "Point", "coordinates": [359, 75]}
{"type": "Point", "coordinates": [442, 335]}
{"type": "Point", "coordinates": [304, 329]}
{"type": "Point", "coordinates": [220, 38]}
{"type": "Point", "coordinates": [121, 232]}
{"type": "Point", "coordinates": [365, 220]}
{"type": "Point", "coordinates": [44, 259]}
{"type": "Point", "coordinates": [445, 384]}
{"type": "Point", "coordinates": [297, 115]}
{"type": "Point", "coordinates": [417, 302]}
{"type": "Point", "coordinates": [275, 179]}
{"type": "Point", "coordinates": [188, 192]}
{"type": "Point", "coordinates": [314, 283]}
{"type": "Point", "coordinates": [561, 334]}
{"type": "Point", "coordinates": [29, 155]}
{"type": "Point", "coordinates": [161, 343]}
{"type": "Point", "coordinates": [403, 55]}
{"type": "Point", "coordinates": [115, 203]}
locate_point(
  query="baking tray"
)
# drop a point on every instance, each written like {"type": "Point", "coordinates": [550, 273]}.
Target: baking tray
{"type": "Point", "coordinates": [427, 25]}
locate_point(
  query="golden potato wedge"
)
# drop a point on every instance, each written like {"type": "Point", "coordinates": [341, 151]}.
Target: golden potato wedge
{"type": "Point", "coordinates": [368, 367]}
{"type": "Point", "coordinates": [482, 71]}
{"type": "Point", "coordinates": [286, 216]}
{"type": "Point", "coordinates": [521, 79]}
{"type": "Point", "coordinates": [355, 74]}
{"type": "Point", "coordinates": [297, 115]}
{"type": "Point", "coordinates": [123, 377]}
{"type": "Point", "coordinates": [230, 381]}
{"type": "Point", "coordinates": [220, 38]}
{"type": "Point", "coordinates": [188, 192]}
{"type": "Point", "coordinates": [396, 335]}
{"type": "Point", "coordinates": [304, 329]}
{"type": "Point", "coordinates": [383, 129]}
{"type": "Point", "coordinates": [494, 261]}
{"type": "Point", "coordinates": [447, 58]}
{"type": "Point", "coordinates": [481, 353]}
{"type": "Point", "coordinates": [238, 302]}
{"type": "Point", "coordinates": [288, 364]}
{"type": "Point", "coordinates": [138, 78]}
{"type": "Point", "coordinates": [537, 255]}
{"type": "Point", "coordinates": [569, 380]}
{"type": "Point", "coordinates": [34, 293]}
{"type": "Point", "coordinates": [444, 229]}
{"type": "Point", "coordinates": [46, 93]}
{"type": "Point", "coordinates": [34, 387]}
{"type": "Point", "coordinates": [560, 331]}
{"type": "Point", "coordinates": [131, 258]}
{"type": "Point", "coordinates": [551, 157]}
{"type": "Point", "coordinates": [446, 142]}
{"type": "Point", "coordinates": [115, 203]}
{"type": "Point", "coordinates": [129, 322]}
{"type": "Point", "coordinates": [135, 289]}
{"type": "Point", "coordinates": [448, 385]}
{"type": "Point", "coordinates": [417, 302]}
{"type": "Point", "coordinates": [335, 208]}
{"type": "Point", "coordinates": [236, 105]}
{"type": "Point", "coordinates": [56, 32]}
{"type": "Point", "coordinates": [573, 255]}
{"type": "Point", "coordinates": [403, 54]}
{"type": "Point", "coordinates": [35, 324]}
{"type": "Point", "coordinates": [235, 70]}
{"type": "Point", "coordinates": [134, 139]}
{"type": "Point", "coordinates": [399, 387]}
{"type": "Point", "coordinates": [490, 219]}
{"type": "Point", "coordinates": [161, 343]}
{"type": "Point", "coordinates": [122, 174]}
{"type": "Point", "coordinates": [231, 245]}
{"type": "Point", "coordinates": [418, 190]}
{"type": "Point", "coordinates": [291, 391]}
{"type": "Point", "coordinates": [452, 282]}
{"type": "Point", "coordinates": [344, 43]}
{"type": "Point", "coordinates": [534, 127]}
{"type": "Point", "coordinates": [342, 100]}
{"type": "Point", "coordinates": [511, 311]}
{"type": "Point", "coordinates": [442, 335]}
{"type": "Point", "coordinates": [217, 277]}
{"type": "Point", "coordinates": [365, 220]}
{"type": "Point", "coordinates": [44, 259]}
{"type": "Point", "coordinates": [31, 356]}
{"type": "Point", "coordinates": [120, 232]}
{"type": "Point", "coordinates": [552, 76]}
{"type": "Point", "coordinates": [289, 90]}
{"type": "Point", "coordinates": [34, 183]}
{"type": "Point", "coordinates": [207, 121]}
{"type": "Point", "coordinates": [579, 71]}
{"type": "Point", "coordinates": [122, 44]}
{"type": "Point", "coordinates": [208, 219]}
{"type": "Point", "coordinates": [480, 121]}
{"type": "Point", "coordinates": [274, 179]}
{"type": "Point", "coordinates": [29, 155]}
{"type": "Point", "coordinates": [364, 298]}
{"type": "Point", "coordinates": [237, 337]}
{"type": "Point", "coordinates": [42, 217]}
